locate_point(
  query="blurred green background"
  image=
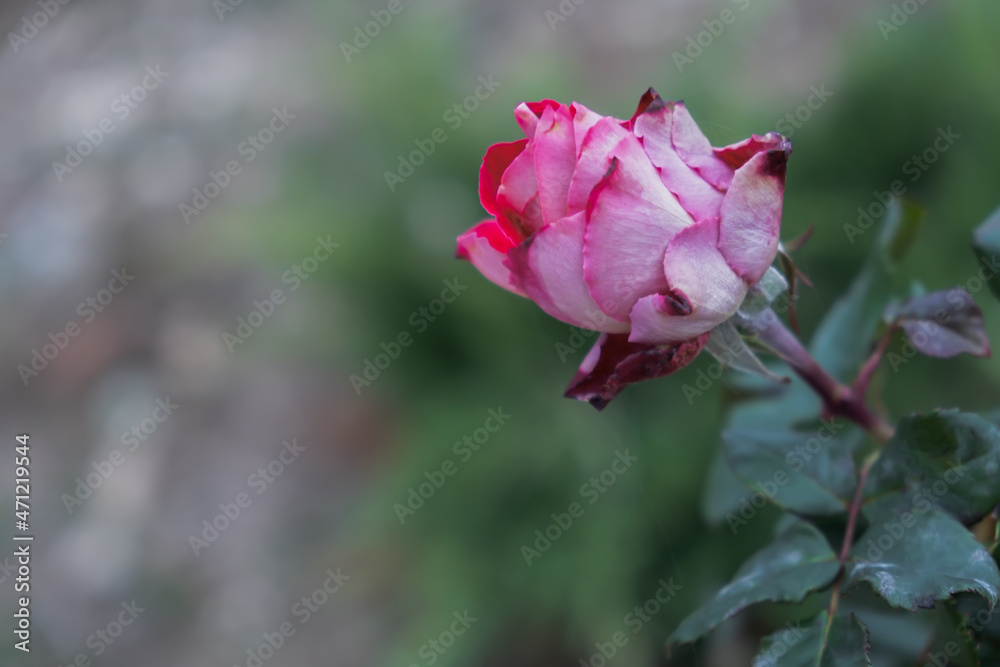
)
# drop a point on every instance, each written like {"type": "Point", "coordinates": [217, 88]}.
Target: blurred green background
{"type": "Point", "coordinates": [366, 447]}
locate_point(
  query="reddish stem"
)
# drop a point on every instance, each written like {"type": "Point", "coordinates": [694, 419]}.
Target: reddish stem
{"type": "Point", "coordinates": [838, 399]}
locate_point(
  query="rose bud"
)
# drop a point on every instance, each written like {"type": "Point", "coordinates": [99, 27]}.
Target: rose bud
{"type": "Point", "coordinates": [638, 229]}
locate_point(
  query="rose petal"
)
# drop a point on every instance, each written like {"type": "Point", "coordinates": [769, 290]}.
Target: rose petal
{"type": "Point", "coordinates": [631, 218]}
{"type": "Point", "coordinates": [583, 120]}
{"type": "Point", "coordinates": [548, 268]}
{"type": "Point", "coordinates": [694, 148]}
{"type": "Point", "coordinates": [614, 362]}
{"type": "Point", "coordinates": [555, 159]}
{"type": "Point", "coordinates": [595, 159]}
{"type": "Point", "coordinates": [486, 246]}
{"type": "Point", "coordinates": [517, 196]}
{"type": "Point", "coordinates": [654, 125]}
{"type": "Point", "coordinates": [697, 273]}
{"type": "Point", "coordinates": [750, 219]}
{"type": "Point", "coordinates": [736, 155]}
{"type": "Point", "coordinates": [528, 113]}
{"type": "Point", "coordinates": [498, 158]}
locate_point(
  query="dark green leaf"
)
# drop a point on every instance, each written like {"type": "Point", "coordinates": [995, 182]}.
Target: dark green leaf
{"type": "Point", "coordinates": [798, 562]}
{"type": "Point", "coordinates": [913, 559]}
{"type": "Point", "coordinates": [987, 246]}
{"type": "Point", "coordinates": [806, 473]}
{"type": "Point", "coordinates": [947, 458]}
{"type": "Point", "coordinates": [793, 646]}
{"type": "Point", "coordinates": [843, 338]}
{"type": "Point", "coordinates": [943, 324]}
{"type": "Point", "coordinates": [847, 645]}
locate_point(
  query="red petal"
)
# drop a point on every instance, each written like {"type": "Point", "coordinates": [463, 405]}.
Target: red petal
{"type": "Point", "coordinates": [614, 363]}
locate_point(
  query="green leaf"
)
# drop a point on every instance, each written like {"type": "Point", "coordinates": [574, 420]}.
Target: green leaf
{"type": "Point", "coordinates": [847, 645]}
{"type": "Point", "coordinates": [842, 340]}
{"type": "Point", "coordinates": [913, 559]}
{"type": "Point", "coordinates": [797, 563]}
{"type": "Point", "coordinates": [947, 458]}
{"type": "Point", "coordinates": [793, 646]}
{"type": "Point", "coordinates": [724, 493]}
{"type": "Point", "coordinates": [987, 246]}
{"type": "Point", "coordinates": [943, 324]}
{"type": "Point", "coordinates": [807, 473]}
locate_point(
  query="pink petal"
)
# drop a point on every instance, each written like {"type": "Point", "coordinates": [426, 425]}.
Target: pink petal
{"type": "Point", "coordinates": [528, 113]}
{"type": "Point", "coordinates": [486, 246]}
{"type": "Point", "coordinates": [750, 219]}
{"type": "Point", "coordinates": [700, 278]}
{"type": "Point", "coordinates": [614, 362]}
{"type": "Point", "coordinates": [583, 120]}
{"type": "Point", "coordinates": [631, 218]}
{"type": "Point", "coordinates": [694, 149]}
{"type": "Point", "coordinates": [517, 196]}
{"type": "Point", "coordinates": [555, 159]}
{"type": "Point", "coordinates": [654, 125]}
{"type": "Point", "coordinates": [594, 161]}
{"type": "Point", "coordinates": [736, 155]}
{"type": "Point", "coordinates": [548, 268]}
{"type": "Point", "coordinates": [498, 157]}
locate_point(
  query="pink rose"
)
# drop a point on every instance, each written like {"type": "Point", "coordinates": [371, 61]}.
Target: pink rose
{"type": "Point", "coordinates": [638, 229]}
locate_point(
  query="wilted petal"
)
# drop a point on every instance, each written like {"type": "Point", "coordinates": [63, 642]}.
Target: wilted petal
{"type": "Point", "coordinates": [486, 246]}
{"type": "Point", "coordinates": [631, 218]}
{"type": "Point", "coordinates": [699, 278]}
{"type": "Point", "coordinates": [614, 363]}
{"type": "Point", "coordinates": [548, 268]}
{"type": "Point", "coordinates": [736, 155]}
{"type": "Point", "coordinates": [750, 221]}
